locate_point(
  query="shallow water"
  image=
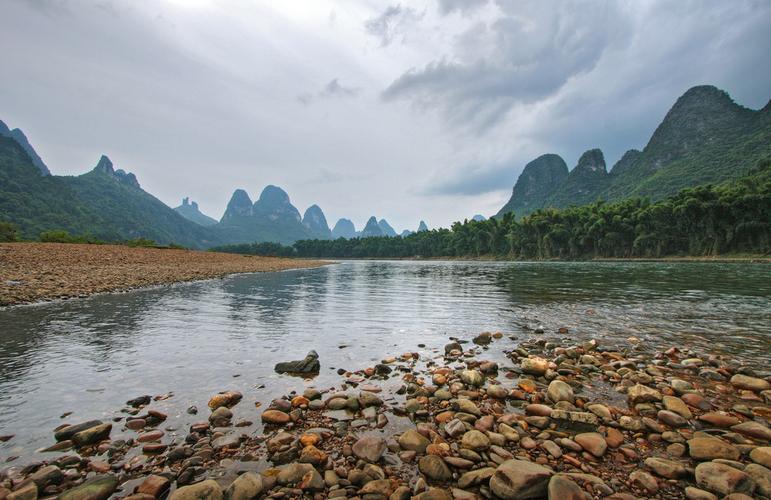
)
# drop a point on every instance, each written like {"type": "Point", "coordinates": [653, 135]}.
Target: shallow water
{"type": "Point", "coordinates": [89, 356]}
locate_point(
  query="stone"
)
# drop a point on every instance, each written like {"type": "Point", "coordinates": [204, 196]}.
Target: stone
{"type": "Point", "coordinates": [578, 420]}
{"type": "Point", "coordinates": [762, 477]}
{"type": "Point", "coordinates": [614, 437]}
{"type": "Point", "coordinates": [601, 411]}
{"type": "Point", "coordinates": [434, 468]}
{"type": "Point", "coordinates": [92, 435]}
{"type": "Point", "coordinates": [369, 448]}
{"type": "Point", "coordinates": [50, 474]}
{"type": "Point", "coordinates": [593, 442]}
{"type": "Point", "coordinates": [560, 391]}
{"type": "Point", "coordinates": [497, 392]}
{"type": "Point", "coordinates": [563, 488]}
{"type": "Point", "coordinates": [753, 429]}
{"type": "Point", "coordinates": [534, 366]}
{"type": "Point", "coordinates": [25, 492]}
{"type": "Point", "coordinates": [381, 487]}
{"type": "Point", "coordinates": [475, 440]}
{"type": "Point", "coordinates": [368, 399]}
{"type": "Point", "coordinates": [67, 432]}
{"type": "Point", "coordinates": [433, 494]}
{"type": "Point", "coordinates": [750, 383]}
{"type": "Point", "coordinates": [309, 365]}
{"type": "Point", "coordinates": [642, 394]}
{"type": "Point", "coordinates": [643, 480]}
{"type": "Point", "coordinates": [472, 378]}
{"type": "Point", "coordinates": [98, 488]}
{"type": "Point", "coordinates": [275, 417]}
{"type": "Point", "coordinates": [719, 419]}
{"type": "Point", "coordinates": [692, 493]}
{"type": "Point", "coordinates": [303, 476]}
{"type": "Point", "coordinates": [666, 468]}
{"type": "Point", "coordinates": [710, 448]}
{"type": "Point", "coordinates": [723, 479]}
{"type": "Point", "coordinates": [154, 485]}
{"type": "Point", "coordinates": [519, 479]}
{"type": "Point", "coordinates": [671, 418]}
{"type": "Point", "coordinates": [412, 440]}
{"type": "Point", "coordinates": [475, 477]}
{"type": "Point", "coordinates": [762, 455]}
{"type": "Point", "coordinates": [467, 406]}
{"type": "Point", "coordinates": [676, 405]}
{"type": "Point", "coordinates": [227, 399]}
{"type": "Point", "coordinates": [312, 455]}
{"type": "Point", "coordinates": [247, 486]}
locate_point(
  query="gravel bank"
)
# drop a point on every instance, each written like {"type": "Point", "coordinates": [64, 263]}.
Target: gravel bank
{"type": "Point", "coordinates": [31, 272]}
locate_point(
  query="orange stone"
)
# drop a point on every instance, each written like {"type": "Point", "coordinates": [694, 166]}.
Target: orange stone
{"type": "Point", "coordinates": [310, 439]}
{"type": "Point", "coordinates": [299, 401]}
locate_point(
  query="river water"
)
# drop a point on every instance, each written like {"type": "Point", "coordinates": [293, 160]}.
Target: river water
{"type": "Point", "coordinates": [190, 341]}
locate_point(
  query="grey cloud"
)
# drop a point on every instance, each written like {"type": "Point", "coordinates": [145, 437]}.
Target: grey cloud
{"type": "Point", "coordinates": [462, 6]}
{"type": "Point", "coordinates": [392, 22]}
{"type": "Point", "coordinates": [476, 179]}
{"type": "Point", "coordinates": [333, 89]}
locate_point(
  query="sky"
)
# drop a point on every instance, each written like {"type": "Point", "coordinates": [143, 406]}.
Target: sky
{"type": "Point", "coordinates": [408, 110]}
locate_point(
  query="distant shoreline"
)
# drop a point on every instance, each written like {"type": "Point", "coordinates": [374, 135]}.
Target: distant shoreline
{"type": "Point", "coordinates": [749, 259]}
{"type": "Point", "coordinates": [38, 272]}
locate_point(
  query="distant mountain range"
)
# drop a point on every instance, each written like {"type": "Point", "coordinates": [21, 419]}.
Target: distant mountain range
{"type": "Point", "coordinates": [189, 210]}
{"type": "Point", "coordinates": [704, 138]}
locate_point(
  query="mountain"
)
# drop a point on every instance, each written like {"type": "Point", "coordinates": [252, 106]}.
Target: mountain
{"type": "Point", "coordinates": [479, 218]}
{"type": "Point", "coordinates": [18, 136]}
{"type": "Point", "coordinates": [106, 203]}
{"type": "Point", "coordinates": [271, 218]}
{"type": "Point", "coordinates": [189, 210]}
{"type": "Point", "coordinates": [422, 227]}
{"type": "Point", "coordinates": [316, 224]}
{"type": "Point", "coordinates": [705, 138]}
{"type": "Point", "coordinates": [539, 179]}
{"type": "Point", "coordinates": [386, 228]}
{"type": "Point", "coordinates": [406, 233]}
{"type": "Point", "coordinates": [372, 229]}
{"type": "Point", "coordinates": [344, 228]}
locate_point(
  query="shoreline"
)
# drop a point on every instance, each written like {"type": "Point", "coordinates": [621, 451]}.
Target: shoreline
{"type": "Point", "coordinates": [551, 418]}
{"type": "Point", "coordinates": [39, 273]}
{"type": "Point", "coordinates": [755, 259]}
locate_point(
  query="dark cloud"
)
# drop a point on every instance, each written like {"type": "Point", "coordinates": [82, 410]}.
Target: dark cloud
{"type": "Point", "coordinates": [476, 179]}
{"type": "Point", "coordinates": [462, 6]}
{"type": "Point", "coordinates": [391, 23]}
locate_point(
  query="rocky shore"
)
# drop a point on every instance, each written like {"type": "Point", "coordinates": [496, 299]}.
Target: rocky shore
{"type": "Point", "coordinates": [31, 272]}
{"type": "Point", "coordinates": [556, 420]}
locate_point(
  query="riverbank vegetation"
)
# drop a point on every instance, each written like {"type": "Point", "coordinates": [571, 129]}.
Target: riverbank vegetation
{"type": "Point", "coordinates": [708, 220]}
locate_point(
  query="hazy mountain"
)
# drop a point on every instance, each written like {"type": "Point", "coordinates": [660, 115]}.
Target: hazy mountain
{"type": "Point", "coordinates": [106, 203]}
{"type": "Point", "coordinates": [271, 218]}
{"type": "Point", "coordinates": [406, 233]}
{"type": "Point", "coordinates": [422, 226]}
{"type": "Point", "coordinates": [372, 228]}
{"type": "Point", "coordinates": [189, 210]}
{"type": "Point", "coordinates": [479, 218]}
{"type": "Point", "coordinates": [704, 138]}
{"type": "Point", "coordinates": [344, 228]}
{"type": "Point", "coordinates": [18, 136]}
{"type": "Point", "coordinates": [316, 223]}
{"type": "Point", "coordinates": [386, 228]}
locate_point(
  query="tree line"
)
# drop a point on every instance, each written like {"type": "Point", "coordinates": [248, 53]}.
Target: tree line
{"type": "Point", "coordinates": [708, 220]}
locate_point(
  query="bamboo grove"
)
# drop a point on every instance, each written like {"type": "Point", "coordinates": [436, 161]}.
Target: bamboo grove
{"type": "Point", "coordinates": [704, 221]}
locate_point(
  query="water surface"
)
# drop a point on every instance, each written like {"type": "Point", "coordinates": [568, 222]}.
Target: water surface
{"type": "Point", "coordinates": [89, 356]}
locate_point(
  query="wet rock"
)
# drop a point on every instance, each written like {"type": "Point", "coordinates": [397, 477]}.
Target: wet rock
{"type": "Point", "coordinates": [247, 486]}
{"type": "Point", "coordinates": [520, 479]}
{"type": "Point", "coordinates": [671, 418]}
{"type": "Point", "coordinates": [666, 468]}
{"type": "Point", "coordinates": [538, 410]}
{"type": "Point", "coordinates": [98, 488]}
{"type": "Point", "coordinates": [483, 338]}
{"type": "Point", "coordinates": [369, 448]}
{"type": "Point", "coordinates": [434, 468]}
{"type": "Point", "coordinates": [67, 432]}
{"type": "Point", "coordinates": [723, 479]}
{"type": "Point", "coordinates": [710, 448]}
{"type": "Point", "coordinates": [560, 391]}
{"type": "Point", "coordinates": [692, 493]}
{"type": "Point", "coordinates": [475, 440]}
{"type": "Point", "coordinates": [497, 392]}
{"type": "Point", "coordinates": [275, 417]}
{"type": "Point", "coordinates": [762, 477]}
{"type": "Point", "coordinates": [312, 455]}
{"type": "Point", "coordinates": [467, 406]}
{"type": "Point", "coordinates": [593, 442]}
{"type": "Point", "coordinates": [534, 366]}
{"type": "Point", "coordinates": [719, 419]}
{"type": "Point", "coordinates": [412, 440]}
{"type": "Point", "coordinates": [475, 477]}
{"type": "Point", "coordinates": [92, 435]}
{"type": "Point", "coordinates": [154, 485]}
{"type": "Point", "coordinates": [750, 383]}
{"type": "Point", "coordinates": [24, 492]}
{"type": "Point", "coordinates": [303, 476]}
{"type": "Point", "coordinates": [368, 399]}
{"type": "Point", "coordinates": [642, 394]}
{"type": "Point", "coordinates": [50, 474]}
{"type": "Point", "coordinates": [140, 401]}
{"type": "Point", "coordinates": [472, 378]}
{"type": "Point", "coordinates": [205, 490]}
{"type": "Point", "coordinates": [307, 366]}
{"type": "Point", "coordinates": [676, 405]}
{"type": "Point", "coordinates": [227, 399]}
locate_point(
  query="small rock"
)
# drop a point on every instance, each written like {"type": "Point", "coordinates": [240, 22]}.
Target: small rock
{"type": "Point", "coordinates": [98, 488]}
{"type": "Point", "coordinates": [723, 479]}
{"type": "Point", "coordinates": [593, 442]}
{"type": "Point", "coordinates": [515, 479]}
{"type": "Point", "coordinates": [247, 486]}
{"type": "Point", "coordinates": [434, 468]}
{"type": "Point", "coordinates": [369, 448]}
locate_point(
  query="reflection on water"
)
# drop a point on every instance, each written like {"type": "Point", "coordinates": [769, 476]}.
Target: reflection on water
{"type": "Point", "coordinates": [89, 356]}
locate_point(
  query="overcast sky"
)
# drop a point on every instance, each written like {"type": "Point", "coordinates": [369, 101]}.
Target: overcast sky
{"type": "Point", "coordinates": [410, 110]}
